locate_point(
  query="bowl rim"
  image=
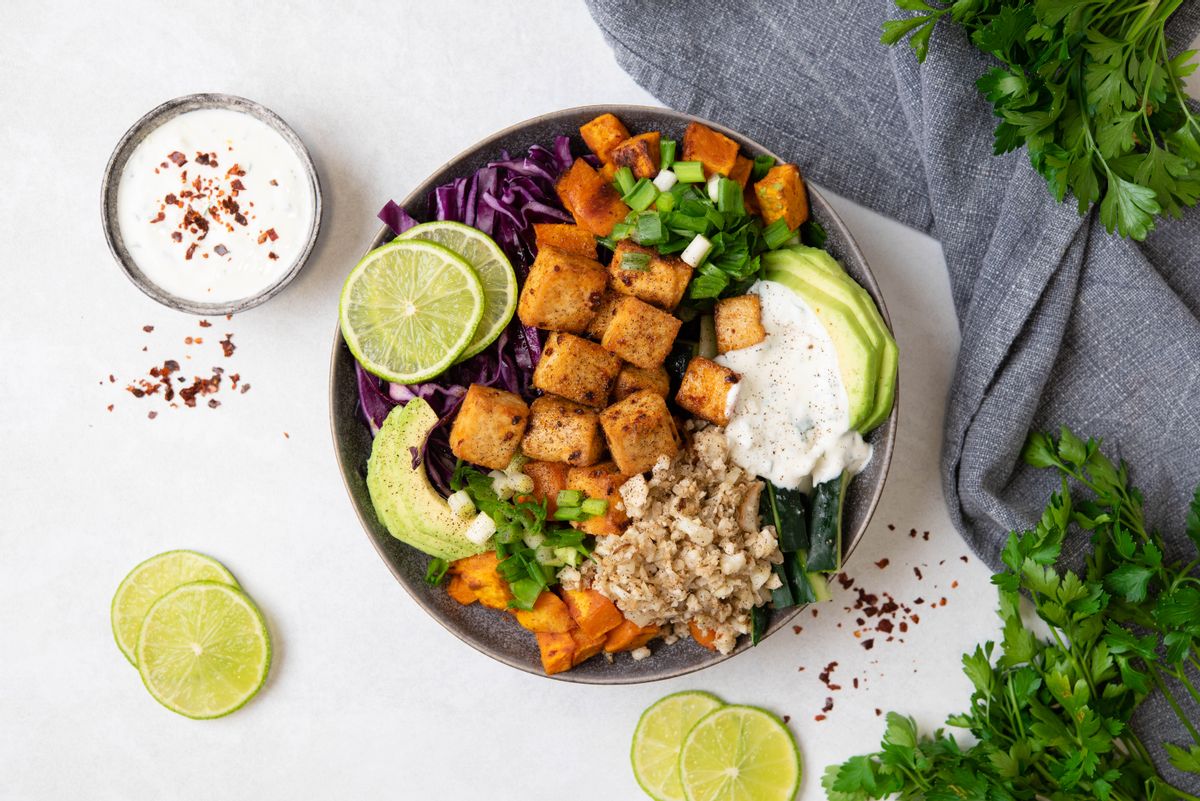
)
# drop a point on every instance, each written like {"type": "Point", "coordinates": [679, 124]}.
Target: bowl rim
{"type": "Point", "coordinates": [110, 186]}
{"type": "Point", "coordinates": [883, 452]}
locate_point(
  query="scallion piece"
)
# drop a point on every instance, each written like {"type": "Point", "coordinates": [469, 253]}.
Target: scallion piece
{"type": "Point", "coordinates": [729, 197]}
{"type": "Point", "coordinates": [641, 195]}
{"type": "Point", "coordinates": [568, 513]}
{"type": "Point", "coordinates": [688, 172]}
{"type": "Point", "coordinates": [666, 151]}
{"type": "Point", "coordinates": [776, 234]}
{"type": "Point", "coordinates": [665, 180]}
{"type": "Point", "coordinates": [594, 507]}
{"type": "Point", "coordinates": [714, 182]}
{"type": "Point", "coordinates": [621, 231]}
{"type": "Point", "coordinates": [436, 571]}
{"type": "Point", "coordinates": [688, 222]}
{"type": "Point", "coordinates": [665, 202]}
{"type": "Point", "coordinates": [761, 165]}
{"type": "Point", "coordinates": [694, 253]}
{"type": "Point", "coordinates": [649, 230]}
{"type": "Point", "coordinates": [624, 180]}
{"type": "Point", "coordinates": [569, 498]}
{"type": "Point", "coordinates": [629, 261]}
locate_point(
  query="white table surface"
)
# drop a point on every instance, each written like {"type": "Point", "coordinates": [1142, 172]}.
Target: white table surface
{"type": "Point", "coordinates": [367, 695]}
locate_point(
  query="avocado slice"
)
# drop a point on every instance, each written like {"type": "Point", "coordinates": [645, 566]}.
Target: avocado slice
{"type": "Point", "coordinates": [819, 268]}
{"type": "Point", "coordinates": [406, 503]}
{"type": "Point", "coordinates": [858, 360]}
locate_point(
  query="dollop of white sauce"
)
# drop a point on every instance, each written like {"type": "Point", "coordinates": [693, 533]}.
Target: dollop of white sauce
{"type": "Point", "coordinates": [233, 260]}
{"type": "Point", "coordinates": [790, 420]}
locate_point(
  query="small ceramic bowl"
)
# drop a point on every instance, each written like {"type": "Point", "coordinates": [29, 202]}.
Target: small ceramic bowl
{"type": "Point", "coordinates": [486, 630]}
{"type": "Point", "coordinates": [112, 179]}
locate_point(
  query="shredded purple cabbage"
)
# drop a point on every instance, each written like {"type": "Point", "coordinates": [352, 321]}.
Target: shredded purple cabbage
{"type": "Point", "coordinates": [504, 200]}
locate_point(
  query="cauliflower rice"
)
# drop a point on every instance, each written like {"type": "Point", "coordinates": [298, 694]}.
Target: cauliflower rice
{"type": "Point", "coordinates": [693, 552]}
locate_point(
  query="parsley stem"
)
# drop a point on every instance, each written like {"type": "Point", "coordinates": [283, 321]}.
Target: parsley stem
{"type": "Point", "coordinates": [1156, 677]}
{"type": "Point", "coordinates": [1181, 674]}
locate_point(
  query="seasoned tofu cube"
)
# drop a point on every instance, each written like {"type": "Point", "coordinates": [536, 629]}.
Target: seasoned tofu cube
{"type": "Point", "coordinates": [567, 238]}
{"type": "Point", "coordinates": [577, 369]}
{"type": "Point", "coordinates": [661, 283]}
{"type": "Point", "coordinates": [488, 427]}
{"type": "Point", "coordinates": [562, 291]}
{"type": "Point", "coordinates": [592, 200]}
{"type": "Point", "coordinates": [741, 171]}
{"type": "Point", "coordinates": [603, 134]}
{"type": "Point", "coordinates": [633, 379]}
{"type": "Point", "coordinates": [781, 196]}
{"type": "Point", "coordinates": [602, 481]}
{"type": "Point", "coordinates": [563, 431]}
{"type": "Point", "coordinates": [604, 315]}
{"type": "Point", "coordinates": [641, 334]}
{"type": "Point", "coordinates": [716, 151]}
{"type": "Point", "coordinates": [640, 154]}
{"type": "Point", "coordinates": [638, 430]}
{"type": "Point", "coordinates": [548, 479]}
{"type": "Point", "coordinates": [739, 323]}
{"type": "Point", "coordinates": [708, 390]}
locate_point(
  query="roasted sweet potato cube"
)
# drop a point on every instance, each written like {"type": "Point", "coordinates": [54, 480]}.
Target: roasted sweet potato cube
{"type": "Point", "coordinates": [567, 238]}
{"type": "Point", "coordinates": [602, 481]}
{"type": "Point", "coordinates": [705, 637]}
{"type": "Point", "coordinates": [708, 390]}
{"type": "Point", "coordinates": [604, 315]}
{"type": "Point", "coordinates": [739, 322]}
{"type": "Point", "coordinates": [608, 171]}
{"type": "Point", "coordinates": [603, 134]}
{"type": "Point", "coordinates": [480, 575]}
{"type": "Point", "coordinates": [641, 334]}
{"type": "Point", "coordinates": [592, 612]}
{"type": "Point", "coordinates": [549, 615]}
{"type": "Point", "coordinates": [586, 646]}
{"type": "Point", "coordinates": [457, 589]}
{"type": "Point", "coordinates": [629, 636]}
{"type": "Point", "coordinates": [633, 379]}
{"type": "Point", "coordinates": [781, 196]}
{"type": "Point", "coordinates": [577, 369]}
{"type": "Point", "coordinates": [563, 431]}
{"type": "Point", "coordinates": [548, 479]}
{"type": "Point", "coordinates": [716, 151]}
{"type": "Point", "coordinates": [488, 427]}
{"type": "Point", "coordinates": [640, 154]}
{"type": "Point", "coordinates": [557, 650]}
{"type": "Point", "coordinates": [592, 200]}
{"type": "Point", "coordinates": [742, 168]}
{"type": "Point", "coordinates": [662, 283]}
{"type": "Point", "coordinates": [638, 430]}
{"type": "Point", "coordinates": [562, 291]}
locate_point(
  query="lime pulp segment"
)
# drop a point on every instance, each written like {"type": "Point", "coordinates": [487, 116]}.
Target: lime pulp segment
{"type": "Point", "coordinates": [658, 737]}
{"type": "Point", "coordinates": [739, 753]}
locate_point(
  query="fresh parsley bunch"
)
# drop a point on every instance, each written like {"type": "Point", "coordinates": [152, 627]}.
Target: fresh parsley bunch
{"type": "Point", "coordinates": [1089, 88]}
{"type": "Point", "coordinates": [1050, 715]}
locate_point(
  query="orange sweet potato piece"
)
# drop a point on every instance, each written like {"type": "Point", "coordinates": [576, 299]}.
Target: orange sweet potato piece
{"type": "Point", "coordinates": [458, 590]}
{"type": "Point", "coordinates": [741, 171]}
{"type": "Point", "coordinates": [629, 636]}
{"type": "Point", "coordinates": [548, 616]}
{"type": "Point", "coordinates": [548, 479]}
{"type": "Point", "coordinates": [557, 650]}
{"type": "Point", "coordinates": [595, 614]}
{"type": "Point", "coordinates": [603, 134]}
{"type": "Point", "coordinates": [569, 238]}
{"type": "Point", "coordinates": [640, 154]}
{"type": "Point", "coordinates": [706, 637]}
{"type": "Point", "coordinates": [479, 574]}
{"type": "Point", "coordinates": [592, 201]}
{"type": "Point", "coordinates": [586, 646]}
{"type": "Point", "coordinates": [716, 151]}
{"type": "Point", "coordinates": [781, 196]}
{"type": "Point", "coordinates": [608, 171]}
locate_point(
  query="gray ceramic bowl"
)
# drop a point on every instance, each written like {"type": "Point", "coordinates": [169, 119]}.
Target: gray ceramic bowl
{"type": "Point", "coordinates": [486, 630]}
{"type": "Point", "coordinates": [112, 179]}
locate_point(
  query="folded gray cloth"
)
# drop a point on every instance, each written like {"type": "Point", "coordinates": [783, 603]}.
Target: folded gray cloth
{"type": "Point", "coordinates": [1061, 323]}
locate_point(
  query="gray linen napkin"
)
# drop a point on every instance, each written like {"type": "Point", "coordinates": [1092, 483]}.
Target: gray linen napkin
{"type": "Point", "coordinates": [1061, 323]}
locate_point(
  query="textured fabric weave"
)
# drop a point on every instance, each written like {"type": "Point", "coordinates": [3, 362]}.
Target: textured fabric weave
{"type": "Point", "coordinates": [1061, 323]}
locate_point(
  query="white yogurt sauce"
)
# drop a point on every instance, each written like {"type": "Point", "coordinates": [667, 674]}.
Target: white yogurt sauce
{"type": "Point", "coordinates": [214, 205]}
{"type": "Point", "coordinates": [790, 420]}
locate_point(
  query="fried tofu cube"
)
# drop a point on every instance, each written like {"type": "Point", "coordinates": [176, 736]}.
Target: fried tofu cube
{"type": "Point", "coordinates": [739, 322]}
{"type": "Point", "coordinates": [716, 151]}
{"type": "Point", "coordinates": [480, 575]}
{"type": "Point", "coordinates": [595, 614]}
{"type": "Point", "coordinates": [457, 589]}
{"type": "Point", "coordinates": [662, 283]}
{"type": "Point", "coordinates": [602, 481]}
{"type": "Point", "coordinates": [603, 134]}
{"type": "Point", "coordinates": [638, 430]}
{"type": "Point", "coordinates": [781, 196]}
{"type": "Point", "coordinates": [641, 334]}
{"type": "Point", "coordinates": [592, 200]}
{"type": "Point", "coordinates": [604, 315]}
{"type": "Point", "coordinates": [586, 646]}
{"type": "Point", "coordinates": [563, 431]}
{"type": "Point", "coordinates": [633, 379]}
{"type": "Point", "coordinates": [549, 614]}
{"type": "Point", "coordinates": [708, 390]}
{"type": "Point", "coordinates": [640, 154]}
{"type": "Point", "coordinates": [557, 651]}
{"type": "Point", "coordinates": [562, 291]}
{"type": "Point", "coordinates": [567, 238]}
{"type": "Point", "coordinates": [488, 427]}
{"type": "Point", "coordinates": [548, 479]}
{"type": "Point", "coordinates": [742, 168]}
{"type": "Point", "coordinates": [629, 636]}
{"type": "Point", "coordinates": [577, 369]}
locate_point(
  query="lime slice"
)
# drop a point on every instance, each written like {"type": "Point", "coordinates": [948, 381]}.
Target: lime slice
{"type": "Point", "coordinates": [491, 265]}
{"type": "Point", "coordinates": [153, 579]}
{"type": "Point", "coordinates": [409, 308]}
{"type": "Point", "coordinates": [739, 753]}
{"type": "Point", "coordinates": [204, 650]}
{"type": "Point", "coordinates": [658, 736]}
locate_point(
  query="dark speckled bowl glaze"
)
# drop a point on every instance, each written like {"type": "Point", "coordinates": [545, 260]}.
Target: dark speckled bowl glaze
{"type": "Point", "coordinates": [486, 630]}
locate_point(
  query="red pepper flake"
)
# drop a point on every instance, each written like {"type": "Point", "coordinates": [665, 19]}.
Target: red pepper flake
{"type": "Point", "coordinates": [221, 250]}
{"type": "Point", "coordinates": [964, 559]}
{"type": "Point", "coordinates": [213, 403]}
{"type": "Point", "coordinates": [787, 718]}
{"type": "Point", "coordinates": [158, 218]}
{"type": "Point", "coordinates": [228, 347]}
{"type": "Point", "coordinates": [917, 571]}
{"type": "Point", "coordinates": [891, 526]}
{"type": "Point", "coordinates": [273, 182]}
{"type": "Point", "coordinates": [206, 323]}
{"type": "Point", "coordinates": [828, 705]}
{"type": "Point", "coordinates": [176, 236]}
{"type": "Point", "coordinates": [856, 682]}
{"type": "Point", "coordinates": [272, 235]}
{"type": "Point", "coordinates": [286, 435]}
{"type": "Point", "coordinates": [918, 600]}
{"type": "Point", "coordinates": [245, 388]}
{"type": "Point", "coordinates": [818, 718]}
{"type": "Point", "coordinates": [942, 602]}
{"type": "Point", "coordinates": [878, 711]}
{"type": "Point", "coordinates": [912, 532]}
{"type": "Point", "coordinates": [916, 619]}
{"type": "Point", "coordinates": [151, 415]}
{"type": "Point", "coordinates": [272, 255]}
{"type": "Point", "coordinates": [825, 674]}
{"type": "Point", "coordinates": [882, 563]}
{"type": "Point", "coordinates": [903, 626]}
{"type": "Point", "coordinates": [797, 629]}
{"type": "Point", "coordinates": [237, 186]}
{"type": "Point", "coordinates": [147, 328]}
{"type": "Point", "coordinates": [868, 644]}
{"type": "Point", "coordinates": [885, 626]}
{"type": "Point", "coordinates": [954, 585]}
{"type": "Point", "coordinates": [207, 159]}
{"type": "Point", "coordinates": [191, 250]}
{"type": "Point", "coordinates": [925, 536]}
{"type": "Point", "coordinates": [188, 340]}
{"type": "Point", "coordinates": [177, 158]}
{"type": "Point", "coordinates": [237, 170]}
{"type": "Point", "coordinates": [110, 407]}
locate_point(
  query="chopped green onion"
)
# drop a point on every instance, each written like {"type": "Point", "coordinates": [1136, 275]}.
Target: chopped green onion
{"type": "Point", "coordinates": [594, 507]}
{"type": "Point", "coordinates": [710, 188]}
{"type": "Point", "coordinates": [729, 197]}
{"type": "Point", "coordinates": [569, 497]}
{"type": "Point", "coordinates": [688, 172]}
{"type": "Point", "coordinates": [624, 180]}
{"type": "Point", "coordinates": [629, 261]}
{"type": "Point", "coordinates": [666, 151]}
{"type": "Point", "coordinates": [665, 202]}
{"type": "Point", "coordinates": [525, 592]}
{"type": "Point", "coordinates": [695, 252]}
{"type": "Point", "coordinates": [693, 206]}
{"type": "Point", "coordinates": [688, 222]}
{"type": "Point", "coordinates": [761, 165]}
{"type": "Point", "coordinates": [776, 234]}
{"type": "Point", "coordinates": [716, 218]}
{"type": "Point", "coordinates": [436, 571]}
{"type": "Point", "coordinates": [665, 180]}
{"type": "Point", "coordinates": [621, 231]}
{"type": "Point", "coordinates": [649, 229]}
{"type": "Point", "coordinates": [568, 513]}
{"type": "Point", "coordinates": [641, 195]}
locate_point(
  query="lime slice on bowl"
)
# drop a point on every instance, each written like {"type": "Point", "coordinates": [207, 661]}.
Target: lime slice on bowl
{"type": "Point", "coordinates": [739, 753]}
{"type": "Point", "coordinates": [151, 580]}
{"type": "Point", "coordinates": [409, 308]}
{"type": "Point", "coordinates": [204, 650]}
{"type": "Point", "coordinates": [491, 265]}
{"type": "Point", "coordinates": [658, 736]}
